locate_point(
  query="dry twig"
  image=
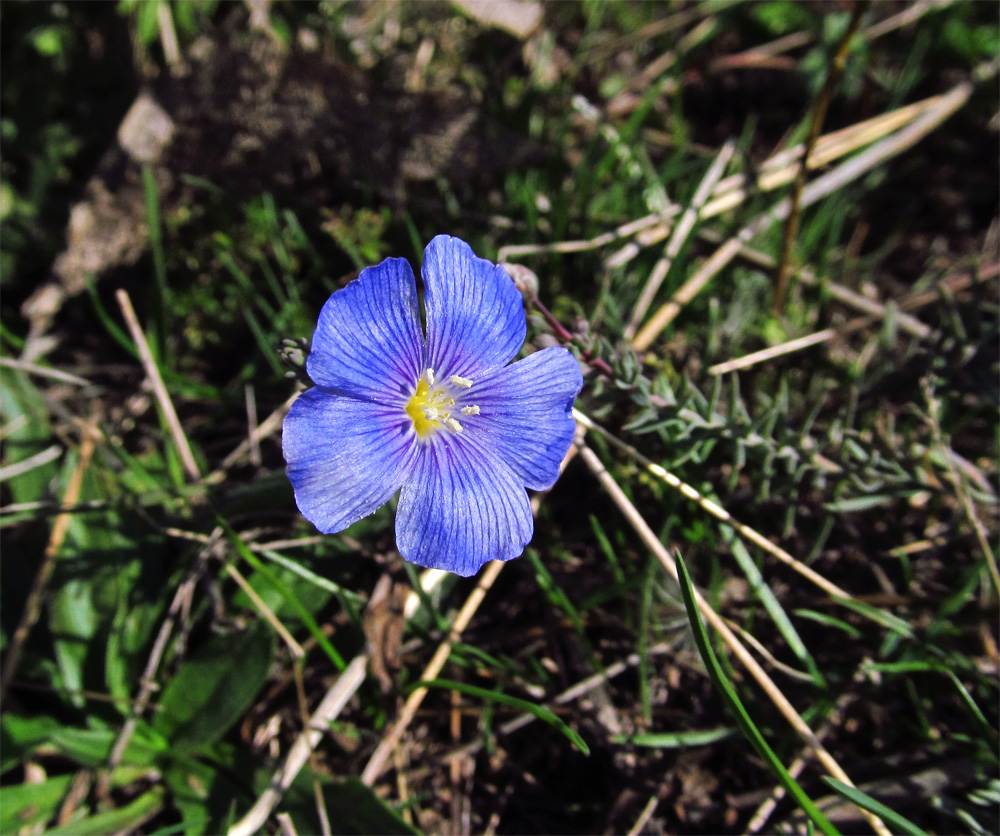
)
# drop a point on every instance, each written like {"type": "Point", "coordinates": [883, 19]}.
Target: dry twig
{"type": "Point", "coordinates": [33, 605]}
{"type": "Point", "coordinates": [156, 381]}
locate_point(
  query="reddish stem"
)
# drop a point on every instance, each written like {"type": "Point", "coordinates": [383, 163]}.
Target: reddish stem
{"type": "Point", "coordinates": [559, 330]}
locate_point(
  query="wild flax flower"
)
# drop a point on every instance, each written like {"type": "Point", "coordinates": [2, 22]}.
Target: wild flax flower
{"type": "Point", "coordinates": [444, 418]}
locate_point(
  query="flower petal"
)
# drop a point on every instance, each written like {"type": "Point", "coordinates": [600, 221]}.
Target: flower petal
{"type": "Point", "coordinates": [475, 316]}
{"type": "Point", "coordinates": [345, 457]}
{"type": "Point", "coordinates": [525, 414]}
{"type": "Point", "coordinates": [460, 508]}
{"type": "Point", "coordinates": [368, 341]}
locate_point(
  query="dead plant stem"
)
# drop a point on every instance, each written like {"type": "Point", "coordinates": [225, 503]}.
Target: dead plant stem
{"type": "Point", "coordinates": [33, 605]}
{"type": "Point", "coordinates": [815, 126]}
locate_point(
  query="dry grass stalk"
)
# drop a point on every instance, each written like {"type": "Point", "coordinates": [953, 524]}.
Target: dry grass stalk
{"type": "Point", "coordinates": [644, 816]}
{"type": "Point", "coordinates": [49, 454]}
{"type": "Point", "coordinates": [765, 354]}
{"type": "Point", "coordinates": [836, 68]}
{"type": "Point", "coordinates": [717, 623]}
{"type": "Point", "coordinates": [267, 427]}
{"type": "Point", "coordinates": [764, 811]}
{"type": "Point", "coordinates": [716, 510]}
{"type": "Point", "coordinates": [329, 708]}
{"type": "Point", "coordinates": [680, 234]}
{"type": "Point", "coordinates": [778, 170]}
{"type": "Point", "coordinates": [821, 187]}
{"type": "Point", "coordinates": [293, 646]}
{"type": "Point", "coordinates": [912, 302]}
{"type": "Point", "coordinates": [376, 765]}
{"type": "Point", "coordinates": [180, 603]}
{"type": "Point", "coordinates": [904, 321]}
{"type": "Point", "coordinates": [782, 168]}
{"type": "Point", "coordinates": [33, 606]}
{"type": "Point", "coordinates": [982, 535]}
{"type": "Point", "coordinates": [159, 390]}
{"type": "Point", "coordinates": [42, 371]}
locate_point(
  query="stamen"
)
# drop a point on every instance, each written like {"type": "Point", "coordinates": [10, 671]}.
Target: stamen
{"type": "Point", "coordinates": [431, 405]}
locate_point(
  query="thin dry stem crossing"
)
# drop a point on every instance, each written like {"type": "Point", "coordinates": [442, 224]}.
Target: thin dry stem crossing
{"type": "Point", "coordinates": [33, 606]}
{"type": "Point", "coordinates": [679, 236]}
{"type": "Point", "coordinates": [821, 187]}
{"type": "Point", "coordinates": [774, 693]}
{"type": "Point", "coordinates": [716, 510]}
{"type": "Point", "coordinates": [159, 389]}
{"type": "Point", "coordinates": [376, 765]}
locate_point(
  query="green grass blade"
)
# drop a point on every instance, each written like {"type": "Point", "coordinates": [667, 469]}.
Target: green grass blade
{"type": "Point", "coordinates": [879, 616]}
{"type": "Point", "coordinates": [540, 711]}
{"type": "Point", "coordinates": [743, 720]}
{"type": "Point", "coordinates": [284, 591]}
{"type": "Point", "coordinates": [774, 609]}
{"type": "Point", "coordinates": [675, 740]}
{"type": "Point", "coordinates": [896, 822]}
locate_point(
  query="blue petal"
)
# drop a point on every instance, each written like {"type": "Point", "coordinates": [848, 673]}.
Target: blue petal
{"type": "Point", "coordinates": [475, 316]}
{"type": "Point", "coordinates": [460, 508]}
{"type": "Point", "coordinates": [368, 340]}
{"type": "Point", "coordinates": [345, 457]}
{"type": "Point", "coordinates": [525, 414]}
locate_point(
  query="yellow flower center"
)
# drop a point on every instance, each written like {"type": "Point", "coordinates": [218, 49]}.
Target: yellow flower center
{"type": "Point", "coordinates": [432, 404]}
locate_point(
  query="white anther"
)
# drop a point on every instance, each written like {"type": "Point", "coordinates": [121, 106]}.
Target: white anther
{"type": "Point", "coordinates": [452, 424]}
{"type": "Point", "coordinates": [470, 410]}
{"type": "Point", "coordinates": [432, 413]}
{"type": "Point", "coordinates": [429, 374]}
{"type": "Point", "coordinates": [461, 382]}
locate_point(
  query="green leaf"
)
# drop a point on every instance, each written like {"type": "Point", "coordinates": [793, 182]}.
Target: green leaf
{"type": "Point", "coordinates": [215, 687]}
{"type": "Point", "coordinates": [353, 809]}
{"type": "Point", "coordinates": [540, 711]}
{"type": "Point", "coordinates": [896, 822]}
{"type": "Point", "coordinates": [122, 819]}
{"type": "Point", "coordinates": [26, 418]}
{"type": "Point", "coordinates": [732, 699]}
{"type": "Point", "coordinates": [20, 735]}
{"type": "Point", "coordinates": [73, 620]}
{"type": "Point", "coordinates": [205, 789]}
{"type": "Point", "coordinates": [27, 805]}
{"type": "Point", "coordinates": [91, 747]}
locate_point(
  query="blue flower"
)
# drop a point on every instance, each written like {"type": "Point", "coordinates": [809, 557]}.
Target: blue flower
{"type": "Point", "coordinates": [445, 419]}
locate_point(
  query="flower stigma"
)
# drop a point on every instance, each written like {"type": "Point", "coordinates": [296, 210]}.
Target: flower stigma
{"type": "Point", "coordinates": [432, 403]}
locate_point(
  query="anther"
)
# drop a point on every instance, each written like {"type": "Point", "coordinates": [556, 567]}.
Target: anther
{"type": "Point", "coordinates": [470, 410]}
{"type": "Point", "coordinates": [461, 382]}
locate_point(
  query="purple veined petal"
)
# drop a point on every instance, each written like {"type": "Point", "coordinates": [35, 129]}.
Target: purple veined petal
{"type": "Point", "coordinates": [475, 316]}
{"type": "Point", "coordinates": [345, 457]}
{"type": "Point", "coordinates": [525, 414]}
{"type": "Point", "coordinates": [368, 341]}
{"type": "Point", "coordinates": [460, 508]}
